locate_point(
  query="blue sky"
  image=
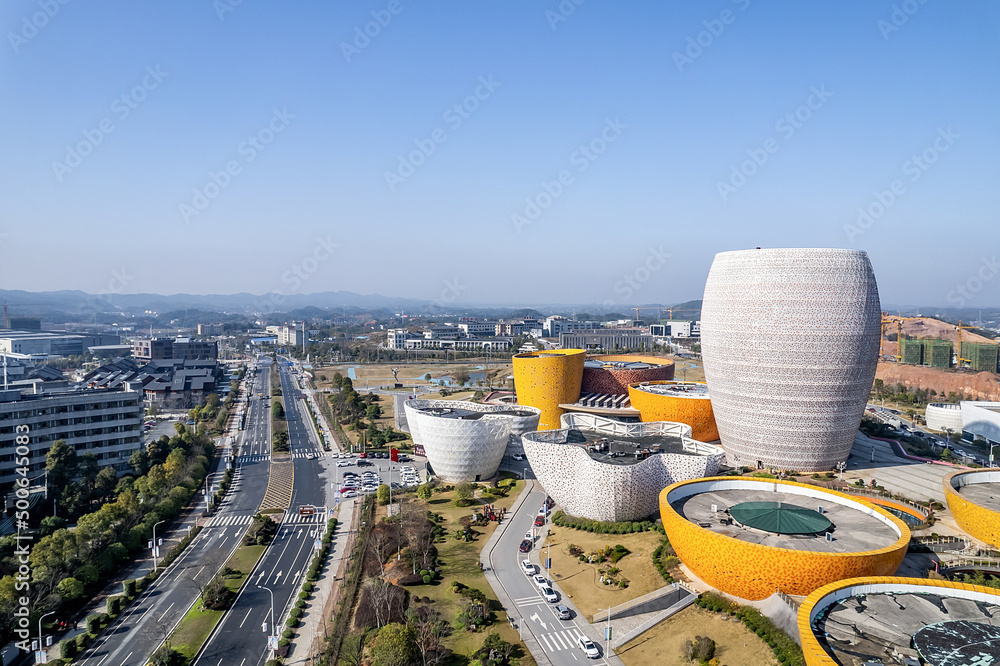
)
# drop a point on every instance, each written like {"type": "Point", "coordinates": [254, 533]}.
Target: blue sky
{"type": "Point", "coordinates": [650, 114]}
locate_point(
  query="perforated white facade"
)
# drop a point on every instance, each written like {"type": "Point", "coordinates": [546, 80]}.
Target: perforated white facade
{"type": "Point", "coordinates": [588, 488]}
{"type": "Point", "coordinates": [790, 341]}
{"type": "Point", "coordinates": [470, 447]}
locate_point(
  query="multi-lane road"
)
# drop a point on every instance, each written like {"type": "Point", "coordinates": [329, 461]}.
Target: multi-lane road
{"type": "Point", "coordinates": [239, 640]}
{"type": "Point", "coordinates": [147, 622]}
{"type": "Point", "coordinates": [531, 611]}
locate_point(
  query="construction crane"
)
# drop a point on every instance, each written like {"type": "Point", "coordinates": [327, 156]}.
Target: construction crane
{"type": "Point", "coordinates": [958, 344]}
{"type": "Point", "coordinates": [898, 320]}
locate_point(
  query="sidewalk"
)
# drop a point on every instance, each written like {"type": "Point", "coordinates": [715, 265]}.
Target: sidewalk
{"type": "Point", "coordinates": [311, 634]}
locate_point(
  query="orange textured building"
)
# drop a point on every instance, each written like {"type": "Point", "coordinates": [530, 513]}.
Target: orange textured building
{"type": "Point", "coordinates": [681, 402]}
{"type": "Point", "coordinates": [741, 560]}
{"type": "Point", "coordinates": [546, 379]}
{"type": "Point", "coordinates": [969, 498]}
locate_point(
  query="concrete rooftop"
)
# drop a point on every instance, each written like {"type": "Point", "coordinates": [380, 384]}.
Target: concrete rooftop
{"type": "Point", "coordinates": [853, 531]}
{"type": "Point", "coordinates": [983, 494]}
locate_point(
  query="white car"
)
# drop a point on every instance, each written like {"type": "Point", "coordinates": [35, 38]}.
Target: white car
{"type": "Point", "coordinates": [517, 456]}
{"type": "Point", "coordinates": [343, 463]}
{"type": "Point", "coordinates": [349, 493]}
{"type": "Point", "coordinates": [550, 595]}
{"type": "Point", "coordinates": [528, 568]}
{"type": "Point", "coordinates": [588, 647]}
{"type": "Point", "coordinates": [540, 581]}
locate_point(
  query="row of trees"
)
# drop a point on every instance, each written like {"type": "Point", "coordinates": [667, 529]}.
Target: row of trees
{"type": "Point", "coordinates": [69, 565]}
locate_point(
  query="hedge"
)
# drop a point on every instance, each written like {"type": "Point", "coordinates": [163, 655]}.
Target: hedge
{"type": "Point", "coordinates": [786, 650]}
{"type": "Point", "coordinates": [562, 519]}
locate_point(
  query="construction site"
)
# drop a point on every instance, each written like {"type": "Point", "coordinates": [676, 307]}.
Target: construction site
{"type": "Point", "coordinates": [930, 354]}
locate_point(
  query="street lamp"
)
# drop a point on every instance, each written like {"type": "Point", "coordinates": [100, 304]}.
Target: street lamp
{"type": "Point", "coordinates": [272, 634]}
{"type": "Point", "coordinates": [40, 643]}
{"type": "Point", "coordinates": [841, 466]}
{"type": "Point", "coordinates": [155, 546]}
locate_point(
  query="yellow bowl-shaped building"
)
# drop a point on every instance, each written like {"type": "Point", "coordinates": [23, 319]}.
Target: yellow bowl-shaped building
{"type": "Point", "coordinates": [753, 564]}
{"type": "Point", "coordinates": [969, 496]}
{"type": "Point", "coordinates": [847, 621]}
{"type": "Point", "coordinates": [547, 379]}
{"type": "Point", "coordinates": [679, 402]}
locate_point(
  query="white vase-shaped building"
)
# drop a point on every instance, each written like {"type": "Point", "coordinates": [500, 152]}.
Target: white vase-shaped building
{"type": "Point", "coordinates": [790, 341]}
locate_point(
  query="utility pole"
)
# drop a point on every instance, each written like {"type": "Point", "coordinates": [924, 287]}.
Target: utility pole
{"type": "Point", "coordinates": [607, 634]}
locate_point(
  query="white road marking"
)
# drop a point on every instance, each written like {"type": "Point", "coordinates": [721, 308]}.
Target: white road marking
{"type": "Point", "coordinates": [165, 612]}
{"type": "Point", "coordinates": [126, 659]}
{"type": "Point", "coordinates": [245, 619]}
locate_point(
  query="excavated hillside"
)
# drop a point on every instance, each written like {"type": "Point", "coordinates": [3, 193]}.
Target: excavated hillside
{"type": "Point", "coordinates": [977, 385]}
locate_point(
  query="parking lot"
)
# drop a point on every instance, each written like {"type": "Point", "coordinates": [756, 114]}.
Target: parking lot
{"type": "Point", "coordinates": [357, 476]}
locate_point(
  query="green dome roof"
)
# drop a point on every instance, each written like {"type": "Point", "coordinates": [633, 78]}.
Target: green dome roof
{"type": "Point", "coordinates": [780, 518]}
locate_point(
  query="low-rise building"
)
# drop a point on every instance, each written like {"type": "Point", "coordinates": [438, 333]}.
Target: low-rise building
{"type": "Point", "coordinates": [107, 423]}
{"type": "Point", "coordinates": [607, 339]}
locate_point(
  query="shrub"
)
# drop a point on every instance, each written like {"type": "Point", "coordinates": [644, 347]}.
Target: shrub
{"type": "Point", "coordinates": [303, 595]}
{"type": "Point", "coordinates": [307, 587]}
{"type": "Point", "coordinates": [93, 623]}
{"type": "Point", "coordinates": [287, 633]}
{"type": "Point", "coordinates": [618, 552]}
{"type": "Point", "coordinates": [291, 622]}
{"type": "Point", "coordinates": [114, 605]}
{"type": "Point", "coordinates": [68, 649]}
{"type": "Point", "coordinates": [428, 580]}
{"type": "Point", "coordinates": [128, 587]}
{"type": "Point", "coordinates": [411, 579]}
{"type": "Point", "coordinates": [300, 604]}
{"type": "Point", "coordinates": [295, 612]}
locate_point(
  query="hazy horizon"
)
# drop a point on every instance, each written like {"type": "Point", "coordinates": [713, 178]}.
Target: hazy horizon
{"type": "Point", "coordinates": [524, 153]}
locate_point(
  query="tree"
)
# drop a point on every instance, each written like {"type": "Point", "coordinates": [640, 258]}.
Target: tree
{"type": "Point", "coordinates": [70, 589]}
{"type": "Point", "coordinates": [495, 648]}
{"type": "Point", "coordinates": [216, 595]}
{"type": "Point", "coordinates": [107, 481]}
{"type": "Point", "coordinates": [429, 629]}
{"type": "Point", "coordinates": [61, 463]}
{"type": "Point", "coordinates": [394, 646]}
{"type": "Point", "coordinates": [378, 545]}
{"type": "Point", "coordinates": [373, 412]}
{"type": "Point", "coordinates": [424, 491]}
{"type": "Point", "coordinates": [383, 494]}
{"type": "Point", "coordinates": [277, 411]}
{"type": "Point", "coordinates": [464, 491]}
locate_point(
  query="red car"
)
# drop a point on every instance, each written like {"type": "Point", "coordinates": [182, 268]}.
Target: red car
{"type": "Point", "coordinates": [362, 455]}
{"type": "Point", "coordinates": [525, 546]}
{"type": "Point", "coordinates": [539, 521]}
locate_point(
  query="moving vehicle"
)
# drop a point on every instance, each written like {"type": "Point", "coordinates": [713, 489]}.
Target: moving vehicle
{"type": "Point", "coordinates": [550, 595]}
{"type": "Point", "coordinates": [588, 647]}
{"type": "Point", "coordinates": [517, 456]}
{"type": "Point", "coordinates": [311, 456]}
{"type": "Point", "coordinates": [562, 612]}
{"type": "Point", "coordinates": [343, 463]}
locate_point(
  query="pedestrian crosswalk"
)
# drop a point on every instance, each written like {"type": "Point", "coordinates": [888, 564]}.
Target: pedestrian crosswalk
{"type": "Point", "coordinates": [305, 453]}
{"type": "Point", "coordinates": [242, 460]}
{"type": "Point", "coordinates": [228, 520]}
{"type": "Point", "coordinates": [291, 518]}
{"type": "Point", "coordinates": [560, 640]}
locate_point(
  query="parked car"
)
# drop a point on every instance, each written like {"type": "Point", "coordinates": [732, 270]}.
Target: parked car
{"type": "Point", "coordinates": [539, 521]}
{"type": "Point", "coordinates": [588, 647]}
{"type": "Point", "coordinates": [525, 546]}
{"type": "Point", "coordinates": [562, 612]}
{"type": "Point", "coordinates": [528, 568]}
{"type": "Point", "coordinates": [364, 463]}
{"type": "Point", "coordinates": [343, 463]}
{"type": "Point", "coordinates": [550, 595]}
{"type": "Point", "coordinates": [349, 493]}
{"type": "Point", "coordinates": [541, 582]}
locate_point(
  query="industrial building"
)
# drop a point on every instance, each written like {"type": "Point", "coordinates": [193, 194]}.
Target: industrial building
{"type": "Point", "coordinates": [871, 620]}
{"type": "Point", "coordinates": [927, 351]}
{"type": "Point", "coordinates": [107, 423]}
{"type": "Point", "coordinates": [607, 339]}
{"type": "Point", "coordinates": [164, 349]}
{"type": "Point", "coordinates": [597, 468]}
{"type": "Point", "coordinates": [790, 342]}
{"type": "Point", "coordinates": [465, 441]}
{"type": "Point", "coordinates": [752, 537]}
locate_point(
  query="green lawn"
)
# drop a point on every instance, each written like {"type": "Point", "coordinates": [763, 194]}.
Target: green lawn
{"type": "Point", "coordinates": [194, 629]}
{"type": "Point", "coordinates": [459, 561]}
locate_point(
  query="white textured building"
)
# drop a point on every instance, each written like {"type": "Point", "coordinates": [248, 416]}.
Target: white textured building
{"type": "Point", "coordinates": [790, 341]}
{"type": "Point", "coordinates": [944, 416]}
{"type": "Point", "coordinates": [465, 441]}
{"type": "Point", "coordinates": [597, 468]}
{"type": "Point", "coordinates": [981, 419]}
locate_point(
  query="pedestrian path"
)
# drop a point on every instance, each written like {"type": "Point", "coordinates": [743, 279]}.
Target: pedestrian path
{"type": "Point", "coordinates": [297, 519]}
{"type": "Point", "coordinates": [241, 460]}
{"type": "Point", "coordinates": [557, 641]}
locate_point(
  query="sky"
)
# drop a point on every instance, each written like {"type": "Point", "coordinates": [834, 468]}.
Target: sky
{"type": "Point", "coordinates": [520, 152]}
